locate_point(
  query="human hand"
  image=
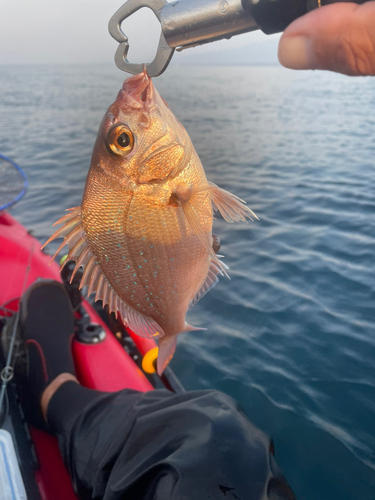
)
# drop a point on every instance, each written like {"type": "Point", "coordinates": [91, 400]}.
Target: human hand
{"type": "Point", "coordinates": [338, 37]}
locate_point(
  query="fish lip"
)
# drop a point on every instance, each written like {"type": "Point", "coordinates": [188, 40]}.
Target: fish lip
{"type": "Point", "coordinates": [139, 88]}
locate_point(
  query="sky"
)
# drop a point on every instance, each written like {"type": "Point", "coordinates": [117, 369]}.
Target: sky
{"type": "Point", "coordinates": [76, 31]}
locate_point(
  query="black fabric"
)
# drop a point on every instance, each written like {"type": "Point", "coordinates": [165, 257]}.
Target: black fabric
{"type": "Point", "coordinates": [47, 323]}
{"type": "Point", "coordinates": [47, 320]}
{"type": "Point", "coordinates": [162, 446]}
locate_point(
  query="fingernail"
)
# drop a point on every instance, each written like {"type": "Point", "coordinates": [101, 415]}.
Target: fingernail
{"type": "Point", "coordinates": [295, 52]}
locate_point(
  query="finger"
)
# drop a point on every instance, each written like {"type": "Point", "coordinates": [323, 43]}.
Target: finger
{"type": "Point", "coordinates": [338, 37]}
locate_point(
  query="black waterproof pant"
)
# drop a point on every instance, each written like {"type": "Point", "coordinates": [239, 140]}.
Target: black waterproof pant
{"type": "Point", "coordinates": [160, 446]}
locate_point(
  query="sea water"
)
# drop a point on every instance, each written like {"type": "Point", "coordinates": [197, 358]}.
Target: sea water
{"type": "Point", "coordinates": [292, 335]}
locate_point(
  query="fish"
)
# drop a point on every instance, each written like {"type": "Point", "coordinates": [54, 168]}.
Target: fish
{"type": "Point", "coordinates": [143, 232]}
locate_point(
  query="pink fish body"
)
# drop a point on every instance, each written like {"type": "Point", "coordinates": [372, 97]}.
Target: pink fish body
{"type": "Point", "coordinates": [143, 233]}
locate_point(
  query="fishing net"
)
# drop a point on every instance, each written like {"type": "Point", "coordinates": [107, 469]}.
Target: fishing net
{"type": "Point", "coordinates": [13, 183]}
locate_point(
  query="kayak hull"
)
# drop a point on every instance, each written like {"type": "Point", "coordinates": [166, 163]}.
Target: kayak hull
{"type": "Point", "coordinates": [104, 366]}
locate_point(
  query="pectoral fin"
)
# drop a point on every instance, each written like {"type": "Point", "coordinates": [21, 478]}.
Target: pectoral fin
{"type": "Point", "coordinates": [232, 208]}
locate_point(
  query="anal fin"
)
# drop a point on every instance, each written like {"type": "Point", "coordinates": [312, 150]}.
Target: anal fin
{"type": "Point", "coordinates": [209, 282]}
{"type": "Point", "coordinates": [191, 207]}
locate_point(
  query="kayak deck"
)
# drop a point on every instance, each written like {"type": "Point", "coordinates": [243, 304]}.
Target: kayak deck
{"type": "Point", "coordinates": [104, 366]}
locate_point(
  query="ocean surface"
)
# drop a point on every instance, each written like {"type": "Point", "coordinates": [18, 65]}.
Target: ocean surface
{"type": "Point", "coordinates": [292, 335]}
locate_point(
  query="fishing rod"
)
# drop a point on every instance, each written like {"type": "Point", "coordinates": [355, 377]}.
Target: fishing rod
{"type": "Point", "coordinates": [13, 186]}
{"type": "Point", "coordinates": [7, 372]}
{"type": "Point", "coordinates": [188, 23]}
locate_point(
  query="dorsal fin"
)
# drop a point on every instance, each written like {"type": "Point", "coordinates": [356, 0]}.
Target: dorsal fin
{"type": "Point", "coordinates": [142, 325]}
{"type": "Point", "coordinates": [93, 277]}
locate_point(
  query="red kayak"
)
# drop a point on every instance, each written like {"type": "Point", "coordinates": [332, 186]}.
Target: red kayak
{"type": "Point", "coordinates": [101, 361]}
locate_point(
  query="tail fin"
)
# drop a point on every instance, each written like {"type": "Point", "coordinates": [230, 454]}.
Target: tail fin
{"type": "Point", "coordinates": [167, 347]}
{"type": "Point", "coordinates": [189, 328]}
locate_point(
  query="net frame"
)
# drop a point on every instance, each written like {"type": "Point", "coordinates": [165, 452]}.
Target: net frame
{"type": "Point", "coordinates": [25, 183]}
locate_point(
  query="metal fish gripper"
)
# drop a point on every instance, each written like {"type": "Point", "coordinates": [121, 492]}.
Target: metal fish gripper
{"type": "Point", "coordinates": [188, 23]}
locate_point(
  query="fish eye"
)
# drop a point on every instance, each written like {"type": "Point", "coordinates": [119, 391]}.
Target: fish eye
{"type": "Point", "coordinates": [120, 140]}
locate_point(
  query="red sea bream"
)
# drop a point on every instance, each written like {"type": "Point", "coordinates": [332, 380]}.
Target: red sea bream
{"type": "Point", "coordinates": [143, 233]}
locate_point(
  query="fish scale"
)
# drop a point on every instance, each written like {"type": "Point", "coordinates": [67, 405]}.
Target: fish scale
{"type": "Point", "coordinates": [144, 232]}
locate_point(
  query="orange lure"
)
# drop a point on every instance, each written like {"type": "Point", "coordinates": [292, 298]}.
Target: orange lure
{"type": "Point", "coordinates": [144, 231]}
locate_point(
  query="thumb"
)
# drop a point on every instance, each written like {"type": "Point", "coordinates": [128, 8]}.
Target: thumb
{"type": "Point", "coordinates": [338, 37]}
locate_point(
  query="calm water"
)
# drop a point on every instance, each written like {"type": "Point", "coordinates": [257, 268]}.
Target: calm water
{"type": "Point", "coordinates": [292, 335]}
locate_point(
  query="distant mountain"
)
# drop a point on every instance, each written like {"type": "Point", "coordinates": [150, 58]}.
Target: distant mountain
{"type": "Point", "coordinates": [255, 54]}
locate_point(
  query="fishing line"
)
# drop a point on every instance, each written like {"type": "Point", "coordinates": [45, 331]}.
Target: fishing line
{"type": "Point", "coordinates": [7, 372]}
{"type": "Point", "coordinates": [6, 310]}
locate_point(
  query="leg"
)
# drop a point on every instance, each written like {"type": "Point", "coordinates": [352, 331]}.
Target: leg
{"type": "Point", "coordinates": [149, 446]}
{"type": "Point", "coordinates": [161, 446]}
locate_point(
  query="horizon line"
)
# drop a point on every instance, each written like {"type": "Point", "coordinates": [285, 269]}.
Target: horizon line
{"type": "Point", "coordinates": [184, 63]}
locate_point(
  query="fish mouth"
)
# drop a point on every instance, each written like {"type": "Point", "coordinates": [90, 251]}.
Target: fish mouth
{"type": "Point", "coordinates": [138, 91]}
{"type": "Point", "coordinates": [166, 157]}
